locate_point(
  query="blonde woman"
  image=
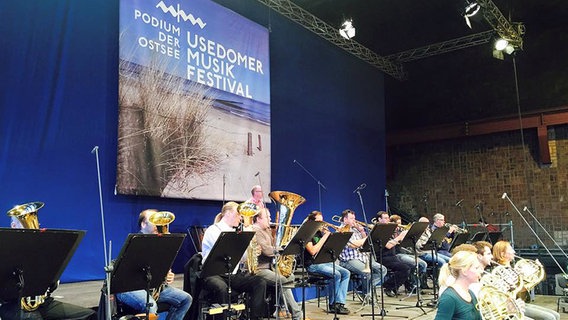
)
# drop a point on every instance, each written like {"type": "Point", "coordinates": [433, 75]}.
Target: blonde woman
{"type": "Point", "coordinates": [458, 302]}
{"type": "Point", "coordinates": [504, 254]}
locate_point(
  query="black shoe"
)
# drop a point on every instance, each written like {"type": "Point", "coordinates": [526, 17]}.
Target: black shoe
{"type": "Point", "coordinates": [340, 307]}
{"type": "Point", "coordinates": [390, 293]}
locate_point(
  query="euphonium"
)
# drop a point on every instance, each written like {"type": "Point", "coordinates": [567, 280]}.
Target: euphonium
{"type": "Point", "coordinates": [248, 210]}
{"type": "Point", "coordinates": [27, 216]}
{"type": "Point", "coordinates": [288, 203]}
{"type": "Point", "coordinates": [162, 220]}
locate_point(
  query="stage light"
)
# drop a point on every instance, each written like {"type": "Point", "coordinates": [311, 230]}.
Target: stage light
{"type": "Point", "coordinates": [501, 44]}
{"type": "Point", "coordinates": [471, 9]}
{"type": "Point", "coordinates": [347, 29]}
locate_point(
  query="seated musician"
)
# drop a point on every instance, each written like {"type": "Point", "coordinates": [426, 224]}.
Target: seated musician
{"type": "Point", "coordinates": [257, 196]}
{"type": "Point", "coordinates": [341, 275]}
{"type": "Point", "coordinates": [440, 221]}
{"type": "Point", "coordinates": [428, 255]}
{"type": "Point", "coordinates": [178, 300]}
{"type": "Point", "coordinates": [356, 261]}
{"type": "Point", "coordinates": [406, 257]}
{"type": "Point", "coordinates": [265, 266]}
{"type": "Point", "coordinates": [216, 287]}
{"type": "Point", "coordinates": [393, 262]}
{"type": "Point", "coordinates": [504, 254]}
{"type": "Point", "coordinates": [45, 307]}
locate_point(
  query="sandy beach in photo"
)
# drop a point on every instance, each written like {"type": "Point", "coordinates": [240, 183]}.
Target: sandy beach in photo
{"type": "Point", "coordinates": [228, 135]}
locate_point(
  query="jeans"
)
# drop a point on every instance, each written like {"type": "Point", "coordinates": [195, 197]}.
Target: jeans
{"type": "Point", "coordinates": [179, 301]}
{"type": "Point", "coordinates": [409, 258]}
{"type": "Point", "coordinates": [356, 266]}
{"type": "Point", "coordinates": [270, 277]}
{"type": "Point", "coordinates": [340, 279]}
{"type": "Point", "coordinates": [429, 258]}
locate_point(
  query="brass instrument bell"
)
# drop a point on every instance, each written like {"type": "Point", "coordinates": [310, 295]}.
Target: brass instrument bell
{"type": "Point", "coordinates": [27, 214]}
{"type": "Point", "coordinates": [162, 220]}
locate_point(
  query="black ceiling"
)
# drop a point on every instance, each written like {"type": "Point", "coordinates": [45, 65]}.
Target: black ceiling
{"type": "Point", "coordinates": [467, 84]}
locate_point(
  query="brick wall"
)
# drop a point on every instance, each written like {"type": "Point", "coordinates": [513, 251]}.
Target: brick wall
{"type": "Point", "coordinates": [432, 177]}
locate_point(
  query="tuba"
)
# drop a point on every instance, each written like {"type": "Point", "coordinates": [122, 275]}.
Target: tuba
{"type": "Point", "coordinates": [27, 216]}
{"type": "Point", "coordinates": [248, 210]}
{"type": "Point", "coordinates": [162, 220]}
{"type": "Point", "coordinates": [288, 203]}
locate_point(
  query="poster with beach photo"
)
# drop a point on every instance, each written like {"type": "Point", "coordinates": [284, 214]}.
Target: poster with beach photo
{"type": "Point", "coordinates": [194, 101]}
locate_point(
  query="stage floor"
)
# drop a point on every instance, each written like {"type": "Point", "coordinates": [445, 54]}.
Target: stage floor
{"type": "Point", "coordinates": [87, 294]}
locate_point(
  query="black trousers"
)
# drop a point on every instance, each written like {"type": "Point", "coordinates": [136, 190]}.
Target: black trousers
{"type": "Point", "coordinates": [215, 288]}
{"type": "Point", "coordinates": [401, 271]}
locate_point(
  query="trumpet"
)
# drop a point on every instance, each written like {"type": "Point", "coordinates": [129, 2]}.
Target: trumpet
{"type": "Point", "coordinates": [337, 218]}
{"type": "Point", "coordinates": [405, 226]}
{"type": "Point", "coordinates": [458, 229]}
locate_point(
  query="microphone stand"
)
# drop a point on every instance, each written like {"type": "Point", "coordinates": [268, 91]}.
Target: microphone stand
{"type": "Point", "coordinates": [387, 208]}
{"type": "Point", "coordinates": [108, 267]}
{"type": "Point", "coordinates": [535, 234]}
{"type": "Point", "coordinates": [464, 222]}
{"type": "Point", "coordinates": [320, 185]}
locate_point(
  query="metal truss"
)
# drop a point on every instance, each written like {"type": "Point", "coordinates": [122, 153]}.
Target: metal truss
{"type": "Point", "coordinates": [392, 64]}
{"type": "Point", "coordinates": [442, 47]}
{"type": "Point", "coordinates": [297, 14]}
{"type": "Point", "coordinates": [512, 32]}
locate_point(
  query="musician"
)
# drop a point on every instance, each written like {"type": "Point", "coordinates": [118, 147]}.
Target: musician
{"type": "Point", "coordinates": [458, 302]}
{"type": "Point", "coordinates": [257, 196]}
{"type": "Point", "coordinates": [50, 308]}
{"type": "Point", "coordinates": [356, 261]}
{"type": "Point", "coordinates": [427, 255]}
{"type": "Point", "coordinates": [393, 262]}
{"type": "Point", "coordinates": [265, 266]}
{"type": "Point", "coordinates": [178, 300]}
{"type": "Point", "coordinates": [440, 221]}
{"type": "Point", "coordinates": [504, 254]}
{"type": "Point", "coordinates": [383, 217]}
{"type": "Point", "coordinates": [341, 276]}
{"type": "Point", "coordinates": [241, 280]}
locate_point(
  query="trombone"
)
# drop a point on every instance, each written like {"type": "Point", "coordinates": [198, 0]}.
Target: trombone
{"type": "Point", "coordinates": [337, 218]}
{"type": "Point", "coordinates": [336, 228]}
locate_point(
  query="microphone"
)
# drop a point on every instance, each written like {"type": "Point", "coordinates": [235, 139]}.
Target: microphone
{"type": "Point", "coordinates": [294, 161]}
{"type": "Point", "coordinates": [504, 195]}
{"type": "Point", "coordinates": [256, 175]}
{"type": "Point", "coordinates": [459, 203]}
{"type": "Point", "coordinates": [361, 187]}
{"type": "Point", "coordinates": [95, 149]}
{"type": "Point", "coordinates": [525, 208]}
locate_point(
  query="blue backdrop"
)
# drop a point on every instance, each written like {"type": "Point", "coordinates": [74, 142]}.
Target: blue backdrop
{"type": "Point", "coordinates": [58, 73]}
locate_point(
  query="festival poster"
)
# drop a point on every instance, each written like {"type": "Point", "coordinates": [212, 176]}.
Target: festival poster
{"type": "Point", "coordinates": [194, 101]}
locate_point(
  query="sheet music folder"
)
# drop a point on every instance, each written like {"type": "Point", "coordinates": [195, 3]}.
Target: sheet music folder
{"type": "Point", "coordinates": [229, 247]}
{"type": "Point", "coordinates": [142, 251]}
{"type": "Point", "coordinates": [40, 254]}
{"type": "Point", "coordinates": [380, 234]}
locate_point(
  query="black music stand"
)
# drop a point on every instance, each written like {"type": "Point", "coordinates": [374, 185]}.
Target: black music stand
{"type": "Point", "coordinates": [224, 257]}
{"type": "Point", "coordinates": [24, 274]}
{"type": "Point", "coordinates": [494, 236]}
{"type": "Point", "coordinates": [379, 236]}
{"type": "Point", "coordinates": [433, 244]}
{"type": "Point", "coordinates": [478, 236]}
{"type": "Point", "coordinates": [459, 239]}
{"type": "Point", "coordinates": [296, 246]}
{"type": "Point", "coordinates": [410, 240]}
{"type": "Point", "coordinates": [144, 262]}
{"type": "Point", "coordinates": [330, 251]}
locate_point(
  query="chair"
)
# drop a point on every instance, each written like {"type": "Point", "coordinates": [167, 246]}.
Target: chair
{"type": "Point", "coordinates": [562, 283]}
{"type": "Point", "coordinates": [321, 283]}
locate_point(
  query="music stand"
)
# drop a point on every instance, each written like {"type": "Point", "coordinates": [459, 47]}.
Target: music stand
{"type": "Point", "coordinates": [459, 239]}
{"type": "Point", "coordinates": [296, 246]}
{"type": "Point", "coordinates": [412, 236]}
{"type": "Point", "coordinates": [330, 251]}
{"type": "Point", "coordinates": [144, 262]}
{"type": "Point", "coordinates": [478, 236]}
{"type": "Point", "coordinates": [379, 236]}
{"type": "Point", "coordinates": [224, 257]}
{"type": "Point", "coordinates": [433, 244]}
{"type": "Point", "coordinates": [495, 236]}
{"type": "Point", "coordinates": [23, 274]}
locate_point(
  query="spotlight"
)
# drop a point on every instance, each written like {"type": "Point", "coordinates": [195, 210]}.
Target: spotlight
{"type": "Point", "coordinates": [470, 10]}
{"type": "Point", "coordinates": [347, 29]}
{"type": "Point", "coordinates": [501, 44]}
